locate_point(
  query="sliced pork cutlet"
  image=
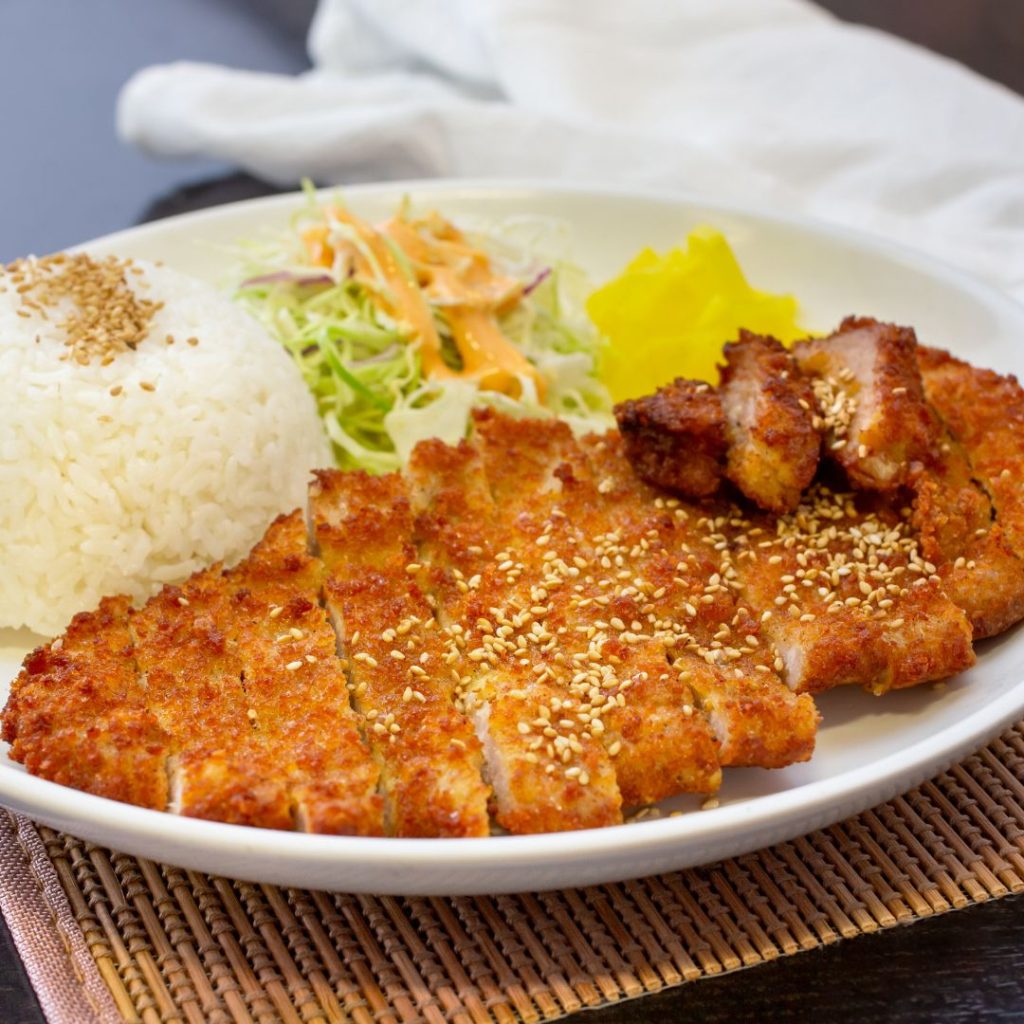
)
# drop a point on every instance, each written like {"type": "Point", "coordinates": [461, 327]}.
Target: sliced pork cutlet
{"type": "Point", "coordinates": [870, 400]}
{"type": "Point", "coordinates": [681, 577]}
{"type": "Point", "coordinates": [192, 675]}
{"type": "Point", "coordinates": [621, 688]}
{"type": "Point", "coordinates": [549, 771]}
{"type": "Point", "coordinates": [676, 438]}
{"type": "Point", "coordinates": [960, 535]}
{"type": "Point", "coordinates": [769, 423]}
{"type": "Point", "coordinates": [296, 685]}
{"type": "Point", "coordinates": [845, 595]}
{"type": "Point", "coordinates": [984, 411]}
{"type": "Point", "coordinates": [77, 713]}
{"type": "Point", "coordinates": [430, 759]}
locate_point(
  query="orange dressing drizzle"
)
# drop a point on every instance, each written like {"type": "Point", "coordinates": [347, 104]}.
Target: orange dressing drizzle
{"type": "Point", "coordinates": [449, 272]}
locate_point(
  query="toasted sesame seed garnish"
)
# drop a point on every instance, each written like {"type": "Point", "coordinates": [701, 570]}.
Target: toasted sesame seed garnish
{"type": "Point", "coordinates": [293, 666]}
{"type": "Point", "coordinates": [105, 316]}
{"type": "Point", "coordinates": [147, 385]}
{"type": "Point", "coordinates": [192, 341]}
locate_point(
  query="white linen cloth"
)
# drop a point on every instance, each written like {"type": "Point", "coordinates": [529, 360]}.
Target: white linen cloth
{"type": "Point", "coordinates": [766, 102]}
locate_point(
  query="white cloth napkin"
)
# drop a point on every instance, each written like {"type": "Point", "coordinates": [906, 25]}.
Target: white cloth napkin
{"type": "Point", "coordinates": [766, 102]}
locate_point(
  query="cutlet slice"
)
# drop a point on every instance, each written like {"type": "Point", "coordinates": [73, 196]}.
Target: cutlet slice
{"type": "Point", "coordinates": [967, 503]}
{"type": "Point", "coordinates": [676, 438]}
{"type": "Point", "coordinates": [769, 423]}
{"type": "Point", "coordinates": [220, 769]}
{"type": "Point", "coordinates": [77, 713]}
{"type": "Point", "coordinates": [682, 572]}
{"type": "Point", "coordinates": [870, 400]}
{"type": "Point", "coordinates": [960, 535]}
{"type": "Point", "coordinates": [984, 411]}
{"type": "Point", "coordinates": [846, 597]}
{"type": "Point", "coordinates": [621, 687]}
{"type": "Point", "coordinates": [548, 773]}
{"type": "Point", "coordinates": [296, 686]}
{"type": "Point", "coordinates": [430, 760]}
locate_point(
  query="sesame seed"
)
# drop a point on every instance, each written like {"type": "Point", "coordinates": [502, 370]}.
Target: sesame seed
{"type": "Point", "coordinates": [293, 666]}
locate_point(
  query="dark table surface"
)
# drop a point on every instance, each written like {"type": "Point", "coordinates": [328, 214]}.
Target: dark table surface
{"type": "Point", "coordinates": [65, 178]}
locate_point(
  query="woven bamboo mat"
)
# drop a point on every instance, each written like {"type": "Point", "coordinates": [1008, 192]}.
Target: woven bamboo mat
{"type": "Point", "coordinates": [176, 945]}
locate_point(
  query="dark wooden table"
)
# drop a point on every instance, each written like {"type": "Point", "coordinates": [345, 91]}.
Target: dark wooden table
{"type": "Point", "coordinates": [65, 178]}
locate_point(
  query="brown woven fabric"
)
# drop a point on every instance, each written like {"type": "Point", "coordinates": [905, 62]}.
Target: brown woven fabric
{"type": "Point", "coordinates": [177, 945]}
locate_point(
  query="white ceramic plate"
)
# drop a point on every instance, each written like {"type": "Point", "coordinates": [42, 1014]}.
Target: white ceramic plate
{"type": "Point", "coordinates": [869, 749]}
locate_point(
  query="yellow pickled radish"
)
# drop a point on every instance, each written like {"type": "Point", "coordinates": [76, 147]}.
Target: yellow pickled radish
{"type": "Point", "coordinates": [667, 316]}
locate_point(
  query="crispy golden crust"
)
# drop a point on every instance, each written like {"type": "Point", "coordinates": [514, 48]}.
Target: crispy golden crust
{"type": "Point", "coordinates": [967, 503]}
{"type": "Point", "coordinates": [429, 757]}
{"type": "Point", "coordinates": [220, 769]}
{"type": "Point", "coordinates": [618, 679]}
{"type": "Point", "coordinates": [287, 651]}
{"type": "Point", "coordinates": [870, 399]}
{"type": "Point", "coordinates": [676, 438]}
{"type": "Point", "coordinates": [77, 713]}
{"type": "Point", "coordinates": [846, 597]}
{"type": "Point", "coordinates": [984, 411]}
{"type": "Point", "coordinates": [715, 647]}
{"type": "Point", "coordinates": [546, 776]}
{"type": "Point", "coordinates": [959, 535]}
{"type": "Point", "coordinates": [769, 423]}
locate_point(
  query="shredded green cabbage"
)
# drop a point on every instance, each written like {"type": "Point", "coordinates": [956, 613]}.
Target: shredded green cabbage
{"type": "Point", "coordinates": [365, 374]}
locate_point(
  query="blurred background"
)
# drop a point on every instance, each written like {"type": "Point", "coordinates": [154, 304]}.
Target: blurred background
{"type": "Point", "coordinates": [65, 178]}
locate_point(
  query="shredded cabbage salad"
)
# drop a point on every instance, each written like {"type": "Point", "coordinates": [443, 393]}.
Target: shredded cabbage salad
{"type": "Point", "coordinates": [334, 290]}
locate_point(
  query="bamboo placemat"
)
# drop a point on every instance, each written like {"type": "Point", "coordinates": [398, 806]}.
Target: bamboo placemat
{"type": "Point", "coordinates": [176, 945]}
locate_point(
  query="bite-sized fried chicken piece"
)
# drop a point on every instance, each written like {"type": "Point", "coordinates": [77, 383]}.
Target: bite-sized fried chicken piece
{"type": "Point", "coordinates": [429, 757]}
{"type": "Point", "coordinates": [843, 592]}
{"type": "Point", "coordinates": [676, 438]}
{"type": "Point", "coordinates": [769, 423]}
{"type": "Point", "coordinates": [870, 400]}
{"type": "Point", "coordinates": [77, 713]}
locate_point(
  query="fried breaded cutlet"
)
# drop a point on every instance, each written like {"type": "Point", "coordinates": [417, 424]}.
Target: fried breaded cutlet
{"type": "Point", "coordinates": [78, 714]}
{"type": "Point", "coordinates": [842, 590]}
{"type": "Point", "coordinates": [870, 400]}
{"type": "Point", "coordinates": [769, 423]}
{"type": "Point", "coordinates": [548, 773]}
{"type": "Point", "coordinates": [967, 507]}
{"type": "Point", "coordinates": [430, 759]}
{"type": "Point", "coordinates": [289, 661]}
{"type": "Point", "coordinates": [676, 438]}
{"type": "Point", "coordinates": [620, 688]}
{"type": "Point", "coordinates": [192, 677]}
{"type": "Point", "coordinates": [686, 600]}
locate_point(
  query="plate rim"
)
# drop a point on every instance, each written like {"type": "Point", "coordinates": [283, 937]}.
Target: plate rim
{"type": "Point", "coordinates": [786, 811]}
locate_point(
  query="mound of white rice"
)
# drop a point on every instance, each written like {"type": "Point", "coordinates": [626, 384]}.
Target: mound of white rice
{"type": "Point", "coordinates": [106, 491]}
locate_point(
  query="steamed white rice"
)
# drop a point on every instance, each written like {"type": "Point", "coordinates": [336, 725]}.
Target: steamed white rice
{"type": "Point", "coordinates": [105, 494]}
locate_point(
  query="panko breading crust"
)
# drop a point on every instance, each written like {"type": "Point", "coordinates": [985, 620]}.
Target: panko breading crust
{"type": "Point", "coordinates": [617, 678]}
{"type": "Point", "coordinates": [429, 756]}
{"type": "Point", "coordinates": [967, 504]}
{"type": "Point", "coordinates": [289, 661]}
{"type": "Point", "coordinates": [546, 777]}
{"type": "Point", "coordinates": [77, 713]}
